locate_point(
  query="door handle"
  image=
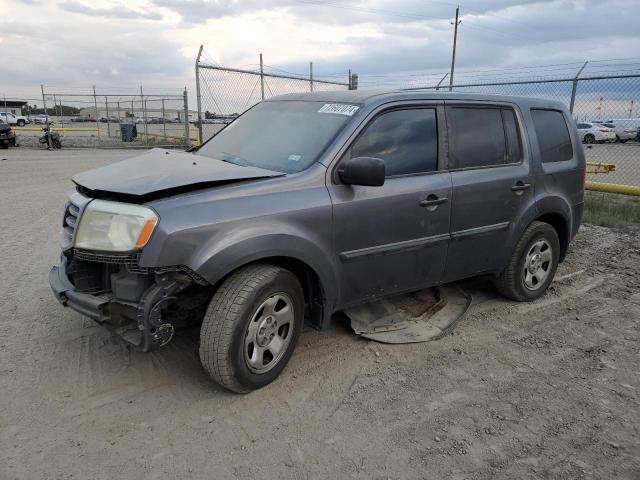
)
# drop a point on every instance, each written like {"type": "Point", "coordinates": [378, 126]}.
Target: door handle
{"type": "Point", "coordinates": [520, 187]}
{"type": "Point", "coordinates": [433, 201]}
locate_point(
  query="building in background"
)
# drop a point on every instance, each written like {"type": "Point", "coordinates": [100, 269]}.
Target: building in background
{"type": "Point", "coordinates": [16, 107]}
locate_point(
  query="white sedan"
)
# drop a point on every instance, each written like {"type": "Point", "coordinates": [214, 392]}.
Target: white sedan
{"type": "Point", "coordinates": [595, 132]}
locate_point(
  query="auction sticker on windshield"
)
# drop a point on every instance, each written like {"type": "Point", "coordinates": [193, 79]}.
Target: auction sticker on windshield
{"type": "Point", "coordinates": [339, 109]}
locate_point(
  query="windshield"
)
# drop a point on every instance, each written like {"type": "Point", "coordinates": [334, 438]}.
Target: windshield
{"type": "Point", "coordinates": [285, 136]}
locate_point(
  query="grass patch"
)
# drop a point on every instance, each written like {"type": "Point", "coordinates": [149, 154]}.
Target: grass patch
{"type": "Point", "coordinates": [611, 210]}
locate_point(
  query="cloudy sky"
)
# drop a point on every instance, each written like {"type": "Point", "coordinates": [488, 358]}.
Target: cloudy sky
{"type": "Point", "coordinates": [121, 44]}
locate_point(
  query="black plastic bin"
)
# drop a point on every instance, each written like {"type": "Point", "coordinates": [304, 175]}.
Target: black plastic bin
{"type": "Point", "coordinates": [128, 131]}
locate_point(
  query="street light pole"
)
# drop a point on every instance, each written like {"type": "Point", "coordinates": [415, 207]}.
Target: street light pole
{"type": "Point", "coordinates": [455, 39]}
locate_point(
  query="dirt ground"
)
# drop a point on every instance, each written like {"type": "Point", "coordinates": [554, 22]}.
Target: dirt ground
{"type": "Point", "coordinates": [549, 389]}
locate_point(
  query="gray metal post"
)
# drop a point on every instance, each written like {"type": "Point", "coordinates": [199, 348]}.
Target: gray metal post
{"type": "Point", "coordinates": [144, 117]}
{"type": "Point", "coordinates": [118, 104]}
{"type": "Point", "coordinates": [95, 105]}
{"type": "Point", "coordinates": [311, 75]}
{"type": "Point", "coordinates": [106, 109]}
{"type": "Point", "coordinates": [5, 109]}
{"type": "Point", "coordinates": [198, 97]}
{"type": "Point", "coordinates": [61, 114]}
{"type": "Point", "coordinates": [453, 54]}
{"type": "Point", "coordinates": [46, 115]}
{"type": "Point", "coordinates": [441, 80]}
{"type": "Point", "coordinates": [354, 81]}
{"type": "Point", "coordinates": [349, 87]}
{"type": "Point", "coordinates": [261, 77]}
{"type": "Point", "coordinates": [164, 122]}
{"type": "Point", "coordinates": [186, 117]}
{"type": "Point", "coordinates": [574, 87]}
{"type": "Point", "coordinates": [56, 112]}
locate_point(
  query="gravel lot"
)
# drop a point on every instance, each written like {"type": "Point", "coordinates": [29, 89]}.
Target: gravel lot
{"type": "Point", "coordinates": [549, 389]}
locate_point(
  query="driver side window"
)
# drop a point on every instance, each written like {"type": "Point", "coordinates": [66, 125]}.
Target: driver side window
{"type": "Point", "coordinates": [407, 141]}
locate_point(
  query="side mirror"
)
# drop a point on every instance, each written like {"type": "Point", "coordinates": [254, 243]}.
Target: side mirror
{"type": "Point", "coordinates": [366, 171]}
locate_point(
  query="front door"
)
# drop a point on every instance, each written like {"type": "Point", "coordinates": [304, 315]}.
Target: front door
{"type": "Point", "coordinates": [393, 238]}
{"type": "Point", "coordinates": [491, 182]}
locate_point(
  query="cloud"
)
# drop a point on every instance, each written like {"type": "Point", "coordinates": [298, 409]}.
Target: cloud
{"type": "Point", "coordinates": [388, 42]}
{"type": "Point", "coordinates": [116, 11]}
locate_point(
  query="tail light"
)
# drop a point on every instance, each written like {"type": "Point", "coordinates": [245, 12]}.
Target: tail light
{"type": "Point", "coordinates": [604, 130]}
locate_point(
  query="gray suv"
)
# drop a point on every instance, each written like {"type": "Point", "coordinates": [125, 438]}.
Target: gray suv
{"type": "Point", "coordinates": [311, 203]}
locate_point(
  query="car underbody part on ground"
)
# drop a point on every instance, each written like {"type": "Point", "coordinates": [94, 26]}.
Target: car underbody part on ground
{"type": "Point", "coordinates": [415, 317]}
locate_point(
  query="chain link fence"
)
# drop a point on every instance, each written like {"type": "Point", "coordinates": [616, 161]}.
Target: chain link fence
{"type": "Point", "coordinates": [91, 118]}
{"type": "Point", "coordinates": [224, 93]}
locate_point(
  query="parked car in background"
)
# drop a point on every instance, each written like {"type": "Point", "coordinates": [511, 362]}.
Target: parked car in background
{"type": "Point", "coordinates": [595, 133]}
{"type": "Point", "coordinates": [625, 128]}
{"type": "Point", "coordinates": [83, 120]}
{"type": "Point", "coordinates": [12, 119]}
{"type": "Point", "coordinates": [40, 119]}
{"type": "Point", "coordinates": [315, 202]}
{"type": "Point", "coordinates": [110, 119]}
{"type": "Point", "coordinates": [7, 136]}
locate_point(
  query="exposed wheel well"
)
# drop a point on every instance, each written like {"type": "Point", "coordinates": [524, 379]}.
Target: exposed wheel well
{"type": "Point", "coordinates": [314, 295]}
{"type": "Point", "coordinates": [561, 227]}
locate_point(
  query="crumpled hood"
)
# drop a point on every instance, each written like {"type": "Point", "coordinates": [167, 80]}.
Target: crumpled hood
{"type": "Point", "coordinates": [158, 170]}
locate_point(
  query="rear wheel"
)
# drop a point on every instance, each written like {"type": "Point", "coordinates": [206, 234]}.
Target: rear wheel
{"type": "Point", "coordinates": [21, 123]}
{"type": "Point", "coordinates": [589, 138]}
{"type": "Point", "coordinates": [251, 327]}
{"type": "Point", "coordinates": [532, 265]}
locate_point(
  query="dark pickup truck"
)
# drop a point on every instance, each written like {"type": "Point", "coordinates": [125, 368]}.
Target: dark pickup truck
{"type": "Point", "coordinates": [7, 136]}
{"type": "Point", "coordinates": [308, 204]}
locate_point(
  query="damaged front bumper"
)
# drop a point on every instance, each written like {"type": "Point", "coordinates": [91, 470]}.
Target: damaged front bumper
{"type": "Point", "coordinates": [139, 321]}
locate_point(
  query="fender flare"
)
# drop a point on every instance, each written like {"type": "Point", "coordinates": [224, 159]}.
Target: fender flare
{"type": "Point", "coordinates": [215, 262]}
{"type": "Point", "coordinates": [542, 206]}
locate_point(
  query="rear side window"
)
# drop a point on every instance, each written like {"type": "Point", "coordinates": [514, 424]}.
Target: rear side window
{"type": "Point", "coordinates": [407, 141]}
{"type": "Point", "coordinates": [482, 137]}
{"type": "Point", "coordinates": [553, 135]}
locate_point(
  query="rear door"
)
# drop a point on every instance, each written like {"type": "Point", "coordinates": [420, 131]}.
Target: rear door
{"type": "Point", "coordinates": [491, 182]}
{"type": "Point", "coordinates": [394, 237]}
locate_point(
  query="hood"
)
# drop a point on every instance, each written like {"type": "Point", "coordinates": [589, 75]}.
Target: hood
{"type": "Point", "coordinates": [159, 172]}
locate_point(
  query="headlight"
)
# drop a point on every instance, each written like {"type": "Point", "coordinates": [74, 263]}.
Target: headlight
{"type": "Point", "coordinates": [115, 226]}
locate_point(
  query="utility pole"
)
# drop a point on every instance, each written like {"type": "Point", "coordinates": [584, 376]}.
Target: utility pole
{"type": "Point", "coordinates": [455, 39]}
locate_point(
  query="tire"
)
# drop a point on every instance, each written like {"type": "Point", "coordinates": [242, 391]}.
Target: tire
{"type": "Point", "coordinates": [525, 277]}
{"type": "Point", "coordinates": [617, 140]}
{"type": "Point", "coordinates": [244, 317]}
{"type": "Point", "coordinates": [21, 123]}
{"type": "Point", "coordinates": [589, 138]}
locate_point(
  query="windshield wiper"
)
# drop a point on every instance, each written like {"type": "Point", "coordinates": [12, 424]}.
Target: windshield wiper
{"type": "Point", "coordinates": [229, 158]}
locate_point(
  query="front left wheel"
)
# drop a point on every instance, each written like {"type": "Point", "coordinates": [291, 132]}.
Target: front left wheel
{"type": "Point", "coordinates": [251, 327]}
